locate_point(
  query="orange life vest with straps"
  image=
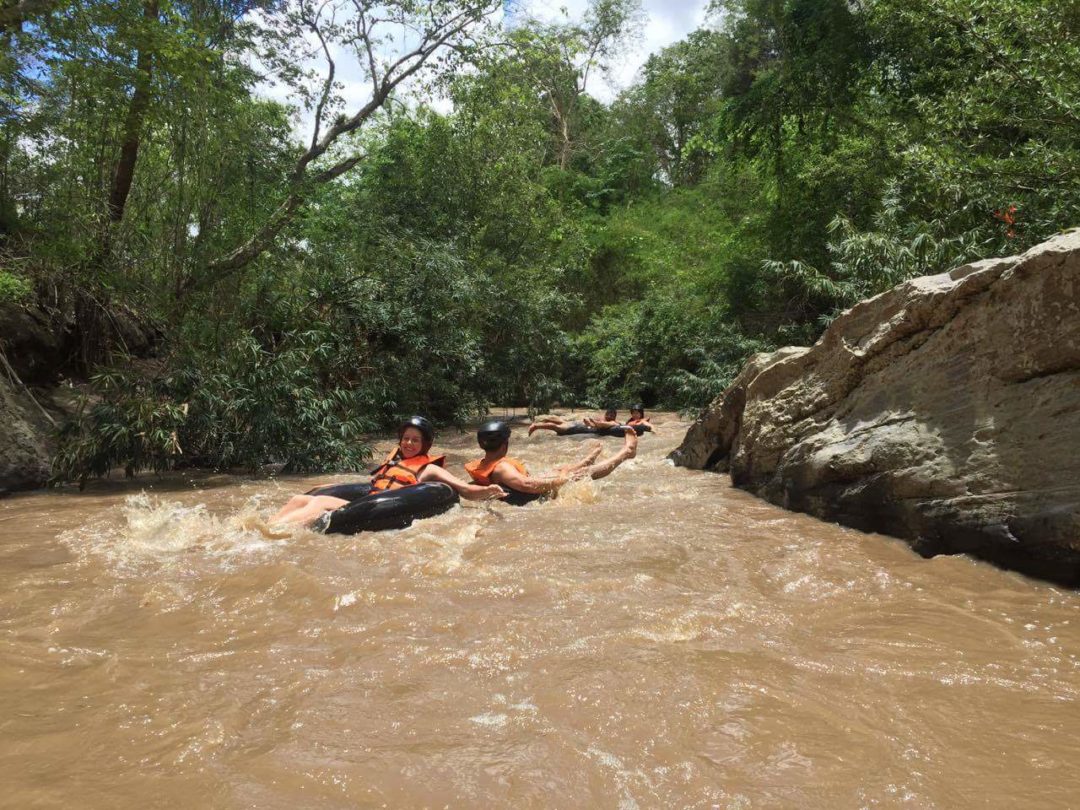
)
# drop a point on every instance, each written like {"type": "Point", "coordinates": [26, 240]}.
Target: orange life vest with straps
{"type": "Point", "coordinates": [397, 472]}
{"type": "Point", "coordinates": [481, 470]}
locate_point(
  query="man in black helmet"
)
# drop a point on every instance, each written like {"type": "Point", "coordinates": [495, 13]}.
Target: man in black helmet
{"type": "Point", "coordinates": [496, 467]}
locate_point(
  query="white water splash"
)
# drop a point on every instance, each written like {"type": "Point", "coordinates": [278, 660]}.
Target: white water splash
{"type": "Point", "coordinates": [575, 493]}
{"type": "Point", "coordinates": [150, 530]}
{"type": "Point", "coordinates": [490, 720]}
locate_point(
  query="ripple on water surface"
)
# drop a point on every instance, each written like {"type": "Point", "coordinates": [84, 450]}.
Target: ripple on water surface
{"type": "Point", "coordinates": [654, 639]}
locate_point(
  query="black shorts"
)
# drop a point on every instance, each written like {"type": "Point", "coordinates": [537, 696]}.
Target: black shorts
{"type": "Point", "coordinates": [347, 492]}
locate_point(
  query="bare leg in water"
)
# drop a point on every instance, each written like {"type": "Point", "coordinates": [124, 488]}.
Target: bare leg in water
{"type": "Point", "coordinates": [549, 423]}
{"type": "Point", "coordinates": [608, 465]}
{"type": "Point", "coordinates": [570, 470]}
{"type": "Point", "coordinates": [306, 508]}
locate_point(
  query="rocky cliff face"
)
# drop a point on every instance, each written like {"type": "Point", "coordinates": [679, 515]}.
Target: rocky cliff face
{"type": "Point", "coordinates": [945, 411]}
{"type": "Point", "coordinates": [25, 453]}
{"type": "Point", "coordinates": [37, 347]}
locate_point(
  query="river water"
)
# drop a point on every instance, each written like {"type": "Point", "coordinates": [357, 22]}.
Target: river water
{"type": "Point", "coordinates": [655, 639]}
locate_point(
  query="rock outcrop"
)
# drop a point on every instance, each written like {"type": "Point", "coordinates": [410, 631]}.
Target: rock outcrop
{"type": "Point", "coordinates": [38, 347]}
{"type": "Point", "coordinates": [945, 411]}
{"type": "Point", "coordinates": [25, 451]}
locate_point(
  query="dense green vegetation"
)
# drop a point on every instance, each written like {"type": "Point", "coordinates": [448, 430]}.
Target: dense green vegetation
{"type": "Point", "coordinates": [532, 245]}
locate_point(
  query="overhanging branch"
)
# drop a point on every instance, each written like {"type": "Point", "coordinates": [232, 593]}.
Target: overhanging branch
{"type": "Point", "coordinates": [300, 181]}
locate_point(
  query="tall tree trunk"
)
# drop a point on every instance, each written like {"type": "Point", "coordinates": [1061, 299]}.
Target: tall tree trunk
{"type": "Point", "coordinates": [124, 172]}
{"type": "Point", "coordinates": [93, 320]}
{"type": "Point", "coordinates": [563, 113]}
{"type": "Point", "coordinates": [565, 145]}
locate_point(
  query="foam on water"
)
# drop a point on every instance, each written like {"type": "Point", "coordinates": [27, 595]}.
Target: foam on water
{"type": "Point", "coordinates": [577, 493]}
{"type": "Point", "coordinates": [490, 719]}
{"type": "Point", "coordinates": [152, 530]}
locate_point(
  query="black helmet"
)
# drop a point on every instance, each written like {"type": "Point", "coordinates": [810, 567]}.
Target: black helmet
{"type": "Point", "coordinates": [423, 425]}
{"type": "Point", "coordinates": [493, 435]}
{"type": "Point", "coordinates": [638, 407]}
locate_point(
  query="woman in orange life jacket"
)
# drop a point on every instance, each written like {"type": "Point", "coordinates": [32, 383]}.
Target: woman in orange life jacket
{"type": "Point", "coordinates": [408, 464]}
{"type": "Point", "coordinates": [496, 467]}
{"type": "Point", "coordinates": [562, 427]}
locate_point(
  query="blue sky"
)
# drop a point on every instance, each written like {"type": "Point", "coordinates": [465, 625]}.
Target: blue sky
{"type": "Point", "coordinates": [664, 22]}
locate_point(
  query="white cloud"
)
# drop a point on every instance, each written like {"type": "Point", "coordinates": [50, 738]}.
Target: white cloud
{"type": "Point", "coordinates": [665, 23]}
{"type": "Point", "coordinates": [668, 21]}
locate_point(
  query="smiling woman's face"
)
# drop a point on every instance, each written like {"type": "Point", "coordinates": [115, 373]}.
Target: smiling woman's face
{"type": "Point", "coordinates": [412, 442]}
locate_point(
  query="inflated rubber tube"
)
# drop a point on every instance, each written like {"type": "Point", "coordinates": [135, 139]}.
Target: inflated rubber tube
{"type": "Point", "coordinates": [347, 492]}
{"type": "Point", "coordinates": [394, 509]}
{"type": "Point", "coordinates": [621, 430]}
{"type": "Point", "coordinates": [581, 429]}
{"type": "Point", "coordinates": [576, 429]}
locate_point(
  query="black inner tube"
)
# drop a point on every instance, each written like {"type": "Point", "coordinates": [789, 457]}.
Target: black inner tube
{"type": "Point", "coordinates": [576, 429]}
{"type": "Point", "coordinates": [581, 429]}
{"type": "Point", "coordinates": [347, 492]}
{"type": "Point", "coordinates": [394, 509]}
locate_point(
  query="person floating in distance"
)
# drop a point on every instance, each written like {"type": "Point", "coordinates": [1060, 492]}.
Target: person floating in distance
{"type": "Point", "coordinates": [562, 427]}
{"type": "Point", "coordinates": [608, 425]}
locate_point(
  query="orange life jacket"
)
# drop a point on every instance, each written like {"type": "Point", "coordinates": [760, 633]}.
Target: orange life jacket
{"type": "Point", "coordinates": [481, 470]}
{"type": "Point", "coordinates": [397, 472]}
{"type": "Point", "coordinates": [633, 422]}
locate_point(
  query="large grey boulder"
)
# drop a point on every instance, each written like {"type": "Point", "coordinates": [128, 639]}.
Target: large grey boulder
{"type": "Point", "coordinates": [25, 454]}
{"type": "Point", "coordinates": [945, 411]}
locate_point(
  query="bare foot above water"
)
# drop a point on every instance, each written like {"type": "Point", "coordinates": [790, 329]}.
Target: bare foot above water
{"type": "Point", "coordinates": [270, 532]}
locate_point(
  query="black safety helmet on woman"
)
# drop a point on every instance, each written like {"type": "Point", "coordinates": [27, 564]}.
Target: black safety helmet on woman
{"type": "Point", "coordinates": [639, 408]}
{"type": "Point", "coordinates": [424, 426]}
{"type": "Point", "coordinates": [493, 435]}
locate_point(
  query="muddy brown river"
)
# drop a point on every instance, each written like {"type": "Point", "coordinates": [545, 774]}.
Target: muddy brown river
{"type": "Point", "coordinates": [654, 639]}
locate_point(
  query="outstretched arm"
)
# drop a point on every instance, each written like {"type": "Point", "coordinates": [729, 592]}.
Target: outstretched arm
{"type": "Point", "coordinates": [506, 475]}
{"type": "Point", "coordinates": [474, 492]}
